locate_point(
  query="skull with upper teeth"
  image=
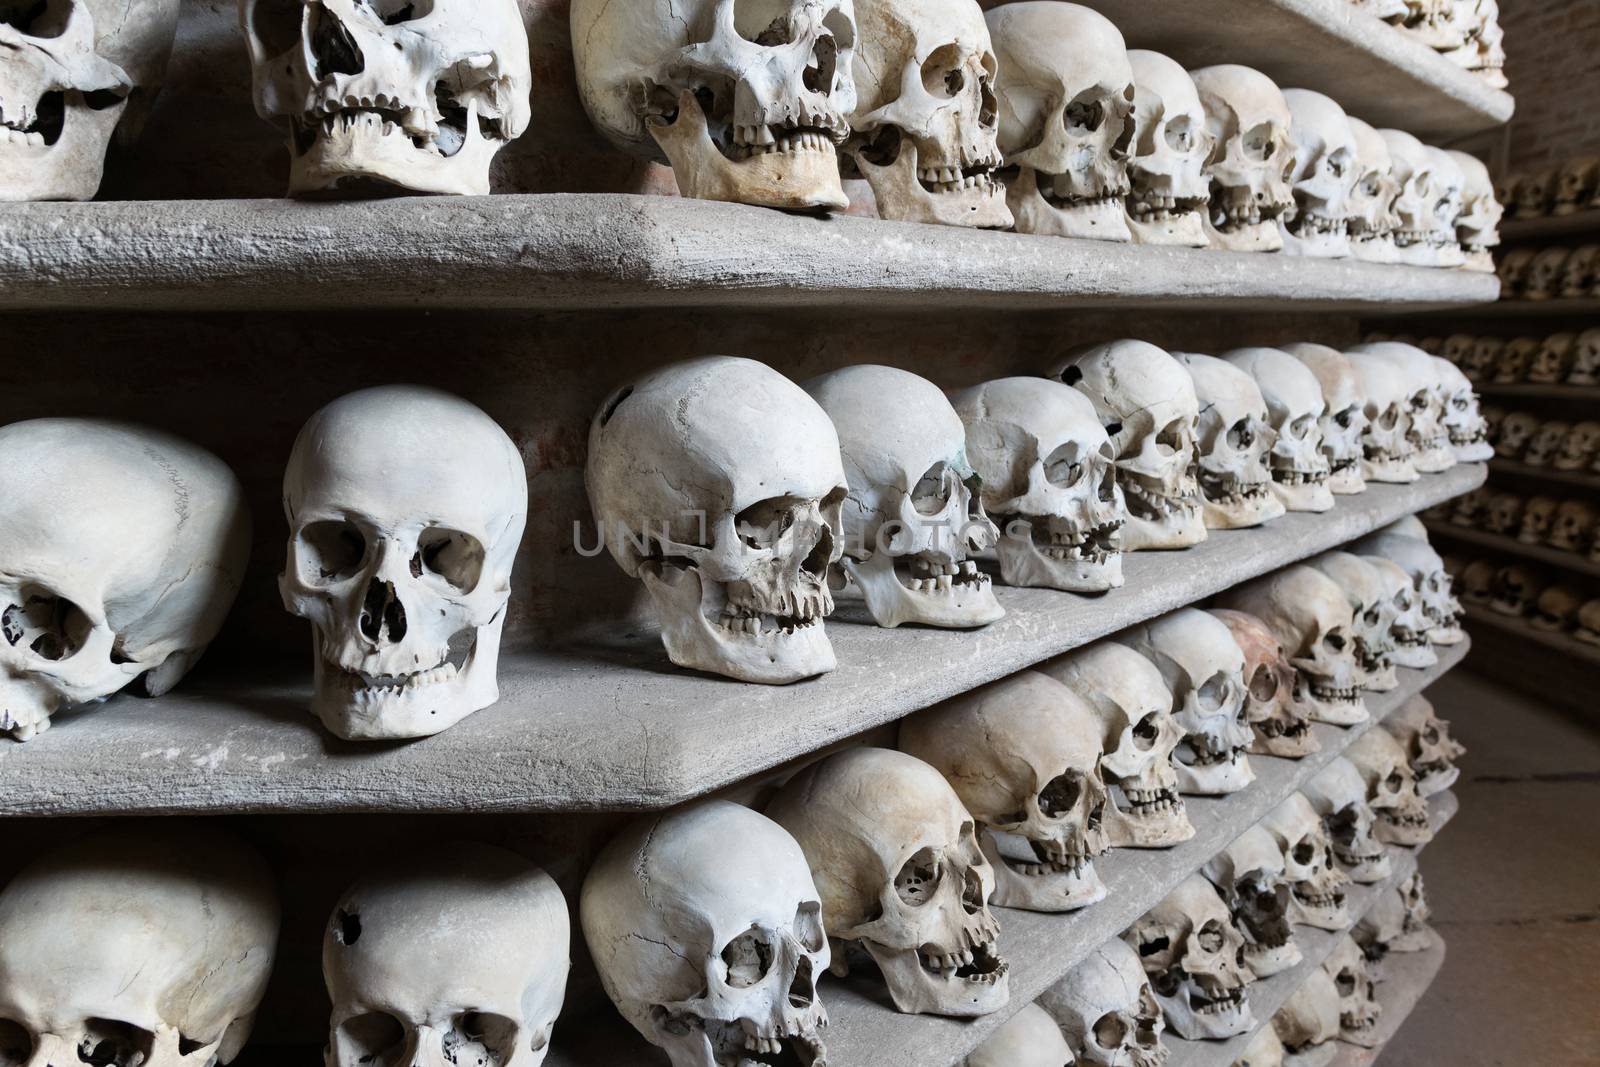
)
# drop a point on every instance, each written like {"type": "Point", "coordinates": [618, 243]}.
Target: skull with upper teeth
{"type": "Point", "coordinates": [1023, 756]}
{"type": "Point", "coordinates": [1416, 203]}
{"type": "Point", "coordinates": [1166, 171]}
{"type": "Point", "coordinates": [1387, 453]}
{"type": "Point", "coordinates": [747, 99]}
{"type": "Point", "coordinates": [1433, 585]}
{"type": "Point", "coordinates": [1191, 951]}
{"type": "Point", "coordinates": [1344, 415]}
{"type": "Point", "coordinates": [1411, 624]}
{"type": "Point", "coordinates": [1049, 479]}
{"type": "Point", "coordinates": [1372, 613]}
{"type": "Point", "coordinates": [1319, 886]}
{"type": "Point", "coordinates": [1252, 157]}
{"type": "Point", "coordinates": [1424, 403]}
{"type": "Point", "coordinates": [1478, 225]}
{"type": "Point", "coordinates": [1295, 409]}
{"type": "Point", "coordinates": [406, 507]}
{"type": "Point", "coordinates": [1339, 795]}
{"type": "Point", "coordinates": [1235, 437]}
{"type": "Point", "coordinates": [1426, 739]}
{"type": "Point", "coordinates": [1359, 1009]}
{"type": "Point", "coordinates": [1249, 876]}
{"type": "Point", "coordinates": [1372, 217]}
{"type": "Point", "coordinates": [1324, 175]}
{"type": "Point", "coordinates": [1464, 424]}
{"type": "Point", "coordinates": [390, 93]}
{"type": "Point", "coordinates": [1107, 1010]}
{"type": "Point", "coordinates": [1391, 789]}
{"type": "Point", "coordinates": [1273, 708]}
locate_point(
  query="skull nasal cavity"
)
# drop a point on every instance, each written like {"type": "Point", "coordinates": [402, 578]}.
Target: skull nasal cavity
{"type": "Point", "coordinates": [803, 989]}
{"type": "Point", "coordinates": [332, 47]}
{"type": "Point", "coordinates": [382, 614]}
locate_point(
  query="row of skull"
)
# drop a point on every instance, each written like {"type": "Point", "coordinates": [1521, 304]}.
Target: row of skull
{"type": "Point", "coordinates": [1547, 273]}
{"type": "Point", "coordinates": [1521, 590]}
{"type": "Point", "coordinates": [1565, 356]}
{"type": "Point", "coordinates": [1569, 525]}
{"type": "Point", "coordinates": [1553, 443]}
{"type": "Point", "coordinates": [1467, 32]}
{"type": "Point", "coordinates": [1566, 189]}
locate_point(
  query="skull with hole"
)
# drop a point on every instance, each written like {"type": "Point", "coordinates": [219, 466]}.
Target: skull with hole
{"type": "Point", "coordinates": [461, 964]}
{"type": "Point", "coordinates": [1352, 978]}
{"type": "Point", "coordinates": [1295, 408]}
{"type": "Point", "coordinates": [405, 508]}
{"type": "Point", "coordinates": [1580, 447]}
{"type": "Point", "coordinates": [1339, 795]}
{"type": "Point", "coordinates": [1545, 444]}
{"type": "Point", "coordinates": [1581, 272]}
{"type": "Point", "coordinates": [1252, 157]}
{"type": "Point", "coordinates": [1387, 454]}
{"type": "Point", "coordinates": [390, 94]}
{"type": "Point", "coordinates": [1478, 225]}
{"type": "Point", "coordinates": [1513, 271]}
{"type": "Point", "coordinates": [1138, 736]}
{"type": "Point", "coordinates": [1555, 611]}
{"type": "Point", "coordinates": [1234, 437]}
{"type": "Point", "coordinates": [1066, 118]}
{"type": "Point", "coordinates": [1023, 755]}
{"type": "Point", "coordinates": [1249, 877]}
{"type": "Point", "coordinates": [1504, 514]}
{"type": "Point", "coordinates": [924, 129]}
{"type": "Point", "coordinates": [1310, 1017]}
{"type": "Point", "coordinates": [1323, 177]}
{"type": "Point", "coordinates": [121, 550]}
{"type": "Point", "coordinates": [1320, 888]}
{"type": "Point", "coordinates": [1169, 191]}
{"type": "Point", "coordinates": [1372, 616]}
{"type": "Point", "coordinates": [1577, 182]}
{"type": "Point", "coordinates": [1049, 479]}
{"type": "Point", "coordinates": [1203, 667]}
{"type": "Point", "coordinates": [1463, 423]}
{"type": "Point", "coordinates": [1586, 361]}
{"type": "Point", "coordinates": [1554, 358]}
{"type": "Point", "coordinates": [1424, 401]}
{"type": "Point", "coordinates": [1344, 414]}
{"type": "Point", "coordinates": [1427, 741]}
{"type": "Point", "coordinates": [1263, 1050]}
{"type": "Point", "coordinates": [1588, 623]}
{"type": "Point", "coordinates": [1145, 399]}
{"type": "Point", "coordinates": [1372, 217]}
{"type": "Point", "coordinates": [1391, 789]}
{"type": "Point", "coordinates": [1537, 517]}
{"type": "Point", "coordinates": [71, 73]}
{"type": "Point", "coordinates": [1411, 625]}
{"type": "Point", "coordinates": [146, 948]}
{"type": "Point", "coordinates": [748, 100]}
{"type": "Point", "coordinates": [902, 876]}
{"type": "Point", "coordinates": [1516, 433]}
{"type": "Point", "coordinates": [1450, 184]}
{"type": "Point", "coordinates": [1546, 274]}
{"type": "Point", "coordinates": [913, 512]}
{"type": "Point", "coordinates": [1030, 1038]}
{"type": "Point", "coordinates": [1279, 722]}
{"type": "Point", "coordinates": [1107, 1011]}
{"type": "Point", "coordinates": [1517, 589]}
{"type": "Point", "coordinates": [1572, 526]}
{"type": "Point", "coordinates": [1481, 361]}
{"type": "Point", "coordinates": [1415, 203]}
{"type": "Point", "coordinates": [711, 952]}
{"type": "Point", "coordinates": [718, 483]}
{"type": "Point", "coordinates": [1433, 584]}
{"type": "Point", "coordinates": [1477, 581]}
{"type": "Point", "coordinates": [1192, 954]}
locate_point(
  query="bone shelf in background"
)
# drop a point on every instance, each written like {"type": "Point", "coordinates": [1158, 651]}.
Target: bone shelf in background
{"type": "Point", "coordinates": [1560, 559]}
{"type": "Point", "coordinates": [1579, 310]}
{"type": "Point", "coordinates": [1574, 394]}
{"type": "Point", "coordinates": [1407, 976]}
{"type": "Point", "coordinates": [1373, 70]}
{"type": "Point", "coordinates": [613, 726]}
{"type": "Point", "coordinates": [1582, 479]}
{"type": "Point", "coordinates": [1483, 618]}
{"type": "Point", "coordinates": [1516, 231]}
{"type": "Point", "coordinates": [602, 251]}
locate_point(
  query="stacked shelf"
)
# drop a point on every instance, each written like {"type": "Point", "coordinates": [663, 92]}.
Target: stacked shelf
{"type": "Point", "coordinates": [1510, 468]}
{"type": "Point", "coordinates": [1500, 543]}
{"type": "Point", "coordinates": [1569, 648]}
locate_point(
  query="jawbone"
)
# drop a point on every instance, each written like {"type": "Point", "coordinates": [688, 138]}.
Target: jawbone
{"type": "Point", "coordinates": [1093, 220]}
{"type": "Point", "coordinates": [916, 989]}
{"type": "Point", "coordinates": [1215, 779]}
{"type": "Point", "coordinates": [978, 202]}
{"type": "Point", "coordinates": [1146, 818]}
{"type": "Point", "coordinates": [1347, 480]}
{"type": "Point", "coordinates": [965, 602]}
{"type": "Point", "coordinates": [1024, 565]}
{"type": "Point", "coordinates": [1039, 885]}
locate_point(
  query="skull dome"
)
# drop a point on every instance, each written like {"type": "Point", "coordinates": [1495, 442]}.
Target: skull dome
{"type": "Point", "coordinates": [1344, 414]}
{"type": "Point", "coordinates": [1319, 886]}
{"type": "Point", "coordinates": [1252, 157]}
{"type": "Point", "coordinates": [1107, 1010]}
{"type": "Point", "coordinates": [1263, 1050]}
{"type": "Point", "coordinates": [1323, 176]}
{"type": "Point", "coordinates": [1277, 716]}
{"type": "Point", "coordinates": [1295, 409]}
{"type": "Point", "coordinates": [1310, 1017]}
{"type": "Point", "coordinates": [1235, 436]}
{"type": "Point", "coordinates": [1168, 189]}
{"type": "Point", "coordinates": [1372, 217]}
{"type": "Point", "coordinates": [1250, 879]}
{"type": "Point", "coordinates": [1030, 1038]}
{"type": "Point", "coordinates": [1339, 795]}
{"type": "Point", "coordinates": [1191, 951]}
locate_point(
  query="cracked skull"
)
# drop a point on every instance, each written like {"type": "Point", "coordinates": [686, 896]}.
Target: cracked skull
{"type": "Point", "coordinates": [1252, 157]}
{"type": "Point", "coordinates": [1107, 1010]}
{"type": "Point", "coordinates": [1391, 789]}
{"type": "Point", "coordinates": [1192, 953]}
{"type": "Point", "coordinates": [1168, 190]}
{"type": "Point", "coordinates": [1319, 886]}
{"type": "Point", "coordinates": [1344, 414]}
{"type": "Point", "coordinates": [1427, 742]}
{"type": "Point", "coordinates": [1250, 879]}
{"type": "Point", "coordinates": [1339, 795]}
{"type": "Point", "coordinates": [1324, 176]}
{"type": "Point", "coordinates": [1235, 438]}
{"type": "Point", "coordinates": [1295, 409]}
{"type": "Point", "coordinates": [1277, 717]}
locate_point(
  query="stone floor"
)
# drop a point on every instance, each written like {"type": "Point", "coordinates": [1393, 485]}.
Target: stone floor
{"type": "Point", "coordinates": [1515, 888]}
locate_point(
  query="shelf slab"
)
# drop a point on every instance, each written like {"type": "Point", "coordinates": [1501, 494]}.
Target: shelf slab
{"type": "Point", "coordinates": [1510, 468]}
{"type": "Point", "coordinates": [1577, 224]}
{"type": "Point", "coordinates": [1509, 546]}
{"type": "Point", "coordinates": [1576, 394]}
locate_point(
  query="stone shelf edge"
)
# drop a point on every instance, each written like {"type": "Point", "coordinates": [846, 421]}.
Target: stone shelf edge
{"type": "Point", "coordinates": [1582, 307]}
{"type": "Point", "coordinates": [1510, 546]}
{"type": "Point", "coordinates": [1517, 626]}
{"type": "Point", "coordinates": [601, 251]}
{"type": "Point", "coordinates": [1516, 231]}
{"type": "Point", "coordinates": [1404, 981]}
{"type": "Point", "coordinates": [1577, 394]}
{"type": "Point", "coordinates": [615, 727]}
{"type": "Point", "coordinates": [1579, 479]}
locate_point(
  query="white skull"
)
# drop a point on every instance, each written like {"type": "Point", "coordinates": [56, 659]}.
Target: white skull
{"type": "Point", "coordinates": [1295, 409]}
{"type": "Point", "coordinates": [1320, 897]}
{"type": "Point", "coordinates": [146, 948]}
{"type": "Point", "coordinates": [71, 71]}
{"type": "Point", "coordinates": [1252, 157]}
{"type": "Point", "coordinates": [902, 878]}
{"type": "Point", "coordinates": [712, 952]}
{"type": "Point", "coordinates": [1190, 950]}
{"type": "Point", "coordinates": [718, 483]}
{"type": "Point", "coordinates": [1250, 879]}
{"type": "Point", "coordinates": [1310, 1017]}
{"type": "Point", "coordinates": [1372, 217]}
{"type": "Point", "coordinates": [1433, 585]}
{"type": "Point", "coordinates": [1203, 667]}
{"type": "Point", "coordinates": [1279, 721]}
{"type": "Point", "coordinates": [405, 508]}
{"type": "Point", "coordinates": [1169, 191]}
{"type": "Point", "coordinates": [1049, 480]}
{"type": "Point", "coordinates": [1324, 175]}
{"type": "Point", "coordinates": [121, 550]}
{"type": "Point", "coordinates": [1138, 736]}
{"type": "Point", "coordinates": [464, 962]}
{"type": "Point", "coordinates": [1344, 415]}
{"type": "Point", "coordinates": [1066, 118]}
{"type": "Point", "coordinates": [747, 99]}
{"type": "Point", "coordinates": [1358, 995]}
{"type": "Point", "coordinates": [1339, 795]}
{"type": "Point", "coordinates": [925, 123]}
{"type": "Point", "coordinates": [1263, 1050]}
{"type": "Point", "coordinates": [1107, 1010]}
{"type": "Point", "coordinates": [1023, 755]}
{"type": "Point", "coordinates": [1234, 437]}
{"type": "Point", "coordinates": [1586, 362]}
{"type": "Point", "coordinates": [1030, 1038]}
{"type": "Point", "coordinates": [1411, 623]}
{"type": "Point", "coordinates": [1146, 401]}
{"type": "Point", "coordinates": [1427, 742]}
{"type": "Point", "coordinates": [1391, 789]}
{"type": "Point", "coordinates": [1478, 225]}
{"type": "Point", "coordinates": [1387, 454]}
{"type": "Point", "coordinates": [1450, 183]}
{"type": "Point", "coordinates": [1372, 613]}
{"type": "Point", "coordinates": [1415, 203]}
{"type": "Point", "coordinates": [1490, 61]}
{"type": "Point", "coordinates": [1425, 403]}
{"type": "Point", "coordinates": [1463, 422]}
{"type": "Point", "coordinates": [913, 512]}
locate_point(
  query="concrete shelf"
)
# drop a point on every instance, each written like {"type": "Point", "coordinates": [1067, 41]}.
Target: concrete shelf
{"type": "Point", "coordinates": [1405, 980]}
{"type": "Point", "coordinates": [1519, 231]}
{"type": "Point", "coordinates": [1558, 558]}
{"type": "Point", "coordinates": [1580, 479]}
{"type": "Point", "coordinates": [1479, 617]}
{"type": "Point", "coordinates": [603, 251]}
{"type": "Point", "coordinates": [1576, 394]}
{"type": "Point", "coordinates": [615, 726]}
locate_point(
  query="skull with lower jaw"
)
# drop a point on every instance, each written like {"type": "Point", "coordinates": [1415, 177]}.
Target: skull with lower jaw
{"type": "Point", "coordinates": [1344, 415]}
{"type": "Point", "coordinates": [1235, 438]}
{"type": "Point", "coordinates": [1372, 616]}
{"type": "Point", "coordinates": [1252, 157]}
{"type": "Point", "coordinates": [1324, 176]}
{"type": "Point", "coordinates": [1387, 453]}
{"type": "Point", "coordinates": [1276, 713]}
{"type": "Point", "coordinates": [1250, 879]}
{"type": "Point", "coordinates": [1411, 624]}
{"type": "Point", "coordinates": [1295, 409]}
{"type": "Point", "coordinates": [1191, 952]}
{"type": "Point", "coordinates": [1391, 789]}
{"type": "Point", "coordinates": [1372, 218]}
{"type": "Point", "coordinates": [1166, 171]}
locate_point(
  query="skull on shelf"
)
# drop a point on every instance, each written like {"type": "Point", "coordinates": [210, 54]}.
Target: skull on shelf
{"type": "Point", "coordinates": [1107, 1010]}
{"type": "Point", "coordinates": [1588, 628]}
{"type": "Point", "coordinates": [1513, 271]}
{"type": "Point", "coordinates": [1391, 789]}
{"type": "Point", "coordinates": [1546, 274]}
{"type": "Point", "coordinates": [1310, 1017]}
{"type": "Point", "coordinates": [1554, 358]}
{"type": "Point", "coordinates": [1556, 610]}
{"type": "Point", "coordinates": [1030, 1038]}
{"type": "Point", "coordinates": [1320, 888]}
{"type": "Point", "coordinates": [1478, 225]}
{"type": "Point", "coordinates": [1372, 217]}
{"type": "Point", "coordinates": [1572, 526]}
{"type": "Point", "coordinates": [1516, 431]}
{"type": "Point", "coordinates": [1344, 416]}
{"type": "Point", "coordinates": [1425, 404]}
{"type": "Point", "coordinates": [1580, 447]}
{"type": "Point", "coordinates": [1263, 1050]}
{"type": "Point", "coordinates": [1427, 741]}
{"type": "Point", "coordinates": [1252, 157]}
{"type": "Point", "coordinates": [1504, 514]}
{"type": "Point", "coordinates": [1450, 183]}
{"type": "Point", "coordinates": [1546, 443]}
{"type": "Point", "coordinates": [1586, 360]}
{"type": "Point", "coordinates": [1249, 877]}
{"type": "Point", "coordinates": [1191, 952]}
{"type": "Point", "coordinates": [1352, 978]}
{"type": "Point", "coordinates": [1387, 454]}
{"type": "Point", "coordinates": [1489, 62]}
{"type": "Point", "coordinates": [1169, 190]}
{"type": "Point", "coordinates": [1295, 408]}
{"type": "Point", "coordinates": [1372, 615]}
{"type": "Point", "coordinates": [1480, 364]}
{"type": "Point", "coordinates": [1311, 617]}
{"type": "Point", "coordinates": [1534, 194]}
{"type": "Point", "coordinates": [1426, 569]}
{"type": "Point", "coordinates": [1416, 203]}
{"type": "Point", "coordinates": [1411, 625]}
{"type": "Point", "coordinates": [1235, 437]}
{"type": "Point", "coordinates": [1338, 793]}
{"type": "Point", "coordinates": [1414, 896]}
{"type": "Point", "coordinates": [1515, 359]}
{"type": "Point", "coordinates": [1477, 581]}
{"type": "Point", "coordinates": [1579, 276]}
{"type": "Point", "coordinates": [1273, 707]}
{"type": "Point", "coordinates": [1323, 173]}
{"type": "Point", "coordinates": [1457, 347]}
{"type": "Point", "coordinates": [1507, 190]}
{"type": "Point", "coordinates": [1463, 423]}
{"type": "Point", "coordinates": [1517, 589]}
{"type": "Point", "coordinates": [1576, 184]}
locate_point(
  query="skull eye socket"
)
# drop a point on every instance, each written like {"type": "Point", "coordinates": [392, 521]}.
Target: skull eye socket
{"type": "Point", "coordinates": [454, 556]}
{"type": "Point", "coordinates": [376, 1037]}
{"type": "Point", "coordinates": [918, 880]}
{"type": "Point", "coordinates": [16, 1044]}
{"type": "Point", "coordinates": [1346, 983]}
{"type": "Point", "coordinates": [276, 24]}
{"type": "Point", "coordinates": [1305, 851]}
{"type": "Point", "coordinates": [1064, 467]}
{"type": "Point", "coordinates": [942, 73]}
{"type": "Point", "coordinates": [1241, 434]}
{"type": "Point", "coordinates": [1084, 116]}
{"type": "Point", "coordinates": [1257, 142]}
{"type": "Point", "coordinates": [1180, 134]}
{"type": "Point", "coordinates": [1263, 683]}
{"type": "Point", "coordinates": [39, 19]}
{"type": "Point", "coordinates": [1061, 795]}
{"type": "Point", "coordinates": [477, 1036]}
{"type": "Point", "coordinates": [932, 493]}
{"type": "Point", "coordinates": [747, 959]}
{"type": "Point", "coordinates": [1394, 783]}
{"type": "Point", "coordinates": [1170, 440]}
{"type": "Point", "coordinates": [1110, 1031]}
{"type": "Point", "coordinates": [395, 12]}
{"type": "Point", "coordinates": [1154, 946]}
{"type": "Point", "coordinates": [1334, 642]}
{"type": "Point", "coordinates": [808, 926]}
{"type": "Point", "coordinates": [1145, 734]}
{"type": "Point", "coordinates": [1214, 693]}
{"type": "Point", "coordinates": [330, 551]}
{"type": "Point", "coordinates": [1210, 936]}
{"type": "Point", "coordinates": [108, 1043]}
{"type": "Point", "coordinates": [51, 627]}
{"type": "Point", "coordinates": [333, 50]}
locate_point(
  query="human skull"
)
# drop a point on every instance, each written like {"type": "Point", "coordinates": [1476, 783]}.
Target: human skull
{"type": "Point", "coordinates": [1471, 508]}
{"type": "Point", "coordinates": [1415, 203]}
{"type": "Point", "coordinates": [1582, 270]}
{"type": "Point", "coordinates": [1146, 401]}
{"type": "Point", "coordinates": [1320, 888]}
{"type": "Point", "coordinates": [71, 72]}
{"type": "Point", "coordinates": [1324, 174]}
{"type": "Point", "coordinates": [1344, 415]}
{"type": "Point", "coordinates": [1249, 877]}
{"type": "Point", "coordinates": [136, 948]}
{"type": "Point", "coordinates": [1411, 625]}
{"type": "Point", "coordinates": [1534, 192]}
{"type": "Point", "coordinates": [1489, 63]}
{"type": "Point", "coordinates": [1203, 666]}
{"type": "Point", "coordinates": [1588, 628]}
{"type": "Point", "coordinates": [1516, 431]}
{"type": "Point", "coordinates": [1066, 118]}
{"type": "Point", "coordinates": [1463, 423]}
{"type": "Point", "coordinates": [1190, 950]}
{"type": "Point", "coordinates": [1572, 526]}
{"type": "Point", "coordinates": [1485, 356]}
{"type": "Point", "coordinates": [1427, 571]}
{"type": "Point", "coordinates": [1252, 157]}
{"type": "Point", "coordinates": [1107, 1011]}
{"type": "Point", "coordinates": [1391, 789]}
{"type": "Point", "coordinates": [1517, 589]}
{"type": "Point", "coordinates": [1537, 517]}
{"type": "Point", "coordinates": [1457, 347]}
{"type": "Point", "coordinates": [1586, 362]}
{"type": "Point", "coordinates": [1372, 616]}
{"type": "Point", "coordinates": [1504, 514]}
{"type": "Point", "coordinates": [1338, 794]}
{"type": "Point", "coordinates": [1138, 736]}
{"type": "Point", "coordinates": [902, 877]}
{"type": "Point", "coordinates": [1513, 270]}
{"type": "Point", "coordinates": [711, 952]}
{"type": "Point", "coordinates": [1023, 756]}
{"type": "Point", "coordinates": [1391, 926]}
{"type": "Point", "coordinates": [417, 97]}
{"type": "Point", "coordinates": [1049, 480]}
{"type": "Point", "coordinates": [718, 483]}
{"type": "Point", "coordinates": [1575, 185]}
{"type": "Point", "coordinates": [1310, 1017]}
{"type": "Point", "coordinates": [1295, 408]}
{"type": "Point", "coordinates": [1554, 612]}
{"type": "Point", "coordinates": [1546, 443]}
{"type": "Point", "coordinates": [1278, 720]}
{"type": "Point", "coordinates": [464, 963]}
{"type": "Point", "coordinates": [1166, 171]}
{"type": "Point", "coordinates": [1030, 1038]}
{"type": "Point", "coordinates": [1515, 360]}
{"type": "Point", "coordinates": [1372, 217]}
{"type": "Point", "coordinates": [1546, 274]}
{"type": "Point", "coordinates": [924, 129]}
{"type": "Point", "coordinates": [1427, 741]}
{"type": "Point", "coordinates": [1579, 447]}
{"type": "Point", "coordinates": [1387, 454]}
{"type": "Point", "coordinates": [1450, 183]}
{"type": "Point", "coordinates": [1425, 403]}
{"type": "Point", "coordinates": [1358, 996]}
{"type": "Point", "coordinates": [1507, 189]}
{"type": "Point", "coordinates": [405, 508]}
{"type": "Point", "coordinates": [1415, 935]}
{"type": "Point", "coordinates": [1477, 581]}
{"type": "Point", "coordinates": [748, 100]}
{"type": "Point", "coordinates": [1553, 359]}
{"type": "Point", "coordinates": [121, 550]}
{"type": "Point", "coordinates": [1263, 1050]}
{"type": "Point", "coordinates": [1478, 225]}
{"type": "Point", "coordinates": [1234, 439]}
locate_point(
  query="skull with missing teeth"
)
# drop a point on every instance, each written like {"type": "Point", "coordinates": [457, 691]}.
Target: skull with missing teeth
{"type": "Point", "coordinates": [718, 483]}
{"type": "Point", "coordinates": [398, 94]}
{"type": "Point", "coordinates": [1427, 741]}
{"type": "Point", "coordinates": [1252, 157]}
{"type": "Point", "coordinates": [1235, 438]}
{"type": "Point", "coordinates": [1169, 191]}
{"type": "Point", "coordinates": [1049, 480]}
{"type": "Point", "coordinates": [1250, 879]}
{"type": "Point", "coordinates": [914, 512]}
{"type": "Point", "coordinates": [1320, 897]}
{"type": "Point", "coordinates": [1191, 952]}
{"type": "Point", "coordinates": [1295, 408]}
{"type": "Point", "coordinates": [405, 507]}
{"type": "Point", "coordinates": [1273, 707]}
{"type": "Point", "coordinates": [747, 99]}
{"type": "Point", "coordinates": [1339, 795]}
{"type": "Point", "coordinates": [707, 931]}
{"type": "Point", "coordinates": [902, 876]}
{"type": "Point", "coordinates": [1344, 414]}
{"type": "Point", "coordinates": [1391, 789]}
{"type": "Point", "coordinates": [1107, 1011]}
{"type": "Point", "coordinates": [1359, 1009]}
{"type": "Point", "coordinates": [1324, 177]}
